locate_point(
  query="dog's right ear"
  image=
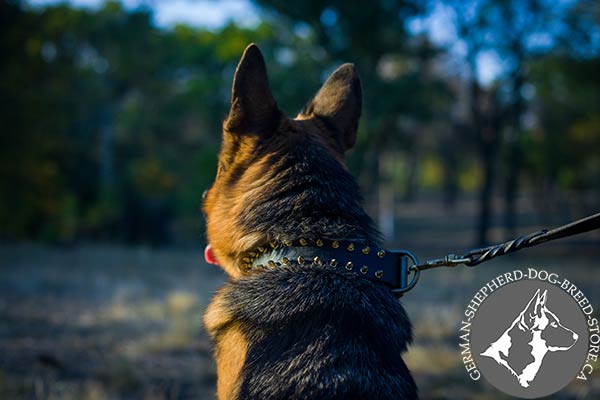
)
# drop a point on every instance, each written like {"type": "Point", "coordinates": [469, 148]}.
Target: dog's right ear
{"type": "Point", "coordinates": [253, 109]}
{"type": "Point", "coordinates": [339, 103]}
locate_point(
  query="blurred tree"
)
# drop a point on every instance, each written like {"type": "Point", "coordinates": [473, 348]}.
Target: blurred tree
{"type": "Point", "coordinates": [515, 32]}
{"type": "Point", "coordinates": [110, 125]}
{"type": "Point", "coordinates": [116, 124]}
{"type": "Point", "coordinates": [567, 167]}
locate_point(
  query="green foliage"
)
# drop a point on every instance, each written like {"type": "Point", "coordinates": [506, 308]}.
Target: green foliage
{"type": "Point", "coordinates": [568, 98]}
{"type": "Point", "coordinates": [111, 126]}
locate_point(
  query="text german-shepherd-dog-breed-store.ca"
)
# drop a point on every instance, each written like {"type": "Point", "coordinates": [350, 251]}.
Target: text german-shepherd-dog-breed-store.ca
{"type": "Point", "coordinates": [300, 317]}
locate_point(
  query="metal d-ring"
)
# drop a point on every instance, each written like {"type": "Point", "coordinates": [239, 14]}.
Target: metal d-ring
{"type": "Point", "coordinates": [405, 270]}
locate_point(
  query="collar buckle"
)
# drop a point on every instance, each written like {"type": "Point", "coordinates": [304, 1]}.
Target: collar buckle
{"type": "Point", "coordinates": [408, 272]}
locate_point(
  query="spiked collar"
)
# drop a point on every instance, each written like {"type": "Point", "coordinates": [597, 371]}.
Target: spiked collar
{"type": "Point", "coordinates": [395, 268]}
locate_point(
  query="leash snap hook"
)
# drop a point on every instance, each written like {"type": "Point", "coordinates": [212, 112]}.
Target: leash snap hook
{"type": "Point", "coordinates": [407, 264]}
{"type": "Point", "coordinates": [452, 260]}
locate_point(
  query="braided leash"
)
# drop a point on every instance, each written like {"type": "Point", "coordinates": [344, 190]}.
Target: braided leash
{"type": "Point", "coordinates": [479, 255]}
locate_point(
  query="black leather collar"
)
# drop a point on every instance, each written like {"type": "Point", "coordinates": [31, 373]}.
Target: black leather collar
{"type": "Point", "coordinates": [392, 268]}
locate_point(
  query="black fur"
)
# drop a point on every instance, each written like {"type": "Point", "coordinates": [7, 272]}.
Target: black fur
{"type": "Point", "coordinates": [320, 334]}
{"type": "Point", "coordinates": [312, 196]}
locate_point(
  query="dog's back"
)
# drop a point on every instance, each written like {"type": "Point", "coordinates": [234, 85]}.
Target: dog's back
{"type": "Point", "coordinates": [318, 334]}
{"type": "Point", "coordinates": [296, 331]}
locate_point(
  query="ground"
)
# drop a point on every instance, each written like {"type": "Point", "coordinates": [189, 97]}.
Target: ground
{"type": "Point", "coordinates": [106, 322]}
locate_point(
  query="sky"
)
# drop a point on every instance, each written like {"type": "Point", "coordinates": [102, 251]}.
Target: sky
{"type": "Point", "coordinates": [213, 14]}
{"type": "Point", "coordinates": [210, 14]}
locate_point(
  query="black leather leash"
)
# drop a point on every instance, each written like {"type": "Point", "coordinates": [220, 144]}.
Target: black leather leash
{"type": "Point", "coordinates": [410, 267]}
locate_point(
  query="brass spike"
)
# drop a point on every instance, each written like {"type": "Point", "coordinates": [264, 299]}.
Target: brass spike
{"type": "Point", "coordinates": [288, 243]}
{"type": "Point", "coordinates": [300, 260]}
{"type": "Point", "coordinates": [246, 267]}
{"type": "Point", "coordinates": [273, 244]}
{"type": "Point", "coordinates": [246, 260]}
{"type": "Point", "coordinates": [379, 274]}
{"type": "Point", "coordinates": [319, 243]}
{"type": "Point", "coordinates": [335, 244]}
{"type": "Point", "coordinates": [333, 262]}
{"type": "Point", "coordinates": [285, 260]}
{"type": "Point", "coordinates": [262, 249]}
{"type": "Point", "coordinates": [381, 253]}
{"type": "Point", "coordinates": [349, 265]}
{"type": "Point", "coordinates": [350, 247]}
{"type": "Point", "coordinates": [253, 254]}
{"type": "Point", "coordinates": [303, 242]}
{"type": "Point", "coordinates": [272, 264]}
{"type": "Point", "coordinates": [364, 269]}
{"type": "Point", "coordinates": [366, 250]}
{"type": "Point", "coordinates": [317, 261]}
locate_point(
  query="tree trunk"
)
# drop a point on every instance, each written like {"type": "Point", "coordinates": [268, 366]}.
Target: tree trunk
{"type": "Point", "coordinates": [514, 157]}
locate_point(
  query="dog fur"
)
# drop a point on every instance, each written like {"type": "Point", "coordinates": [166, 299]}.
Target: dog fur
{"type": "Point", "coordinates": [296, 332]}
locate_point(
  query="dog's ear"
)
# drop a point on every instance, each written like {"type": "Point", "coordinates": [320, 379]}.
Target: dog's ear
{"type": "Point", "coordinates": [253, 109]}
{"type": "Point", "coordinates": [339, 104]}
{"type": "Point", "coordinates": [530, 311]}
{"type": "Point", "coordinates": [540, 303]}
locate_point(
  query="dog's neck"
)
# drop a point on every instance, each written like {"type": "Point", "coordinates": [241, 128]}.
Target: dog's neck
{"type": "Point", "coordinates": [316, 197]}
{"type": "Point", "coordinates": [538, 351]}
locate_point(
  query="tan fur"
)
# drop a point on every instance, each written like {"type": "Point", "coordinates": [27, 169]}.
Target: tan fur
{"type": "Point", "coordinates": [228, 240]}
{"type": "Point", "coordinates": [230, 347]}
{"type": "Point", "coordinates": [231, 354]}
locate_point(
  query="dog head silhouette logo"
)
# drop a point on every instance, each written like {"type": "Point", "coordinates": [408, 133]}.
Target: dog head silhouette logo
{"type": "Point", "coordinates": [545, 332]}
{"type": "Point", "coordinates": [529, 338]}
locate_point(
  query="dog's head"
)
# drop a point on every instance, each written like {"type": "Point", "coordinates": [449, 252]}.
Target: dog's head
{"type": "Point", "coordinates": [272, 167]}
{"type": "Point", "coordinates": [537, 317]}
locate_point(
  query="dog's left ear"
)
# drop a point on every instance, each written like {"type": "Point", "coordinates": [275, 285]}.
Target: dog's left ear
{"type": "Point", "coordinates": [253, 108]}
{"type": "Point", "coordinates": [339, 103]}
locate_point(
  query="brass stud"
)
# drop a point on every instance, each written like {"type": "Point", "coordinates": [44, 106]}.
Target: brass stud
{"type": "Point", "coordinates": [349, 265]}
{"type": "Point", "coordinates": [272, 264]}
{"type": "Point", "coordinates": [319, 242]}
{"type": "Point", "coordinates": [253, 254]}
{"type": "Point", "coordinates": [333, 262]}
{"type": "Point", "coordinates": [273, 244]}
{"type": "Point", "coordinates": [303, 242]}
{"type": "Point", "coordinates": [288, 243]}
{"type": "Point", "coordinates": [285, 261]}
{"type": "Point", "coordinates": [300, 260]}
{"type": "Point", "coordinates": [366, 250]}
{"type": "Point", "coordinates": [350, 247]}
{"type": "Point", "coordinates": [335, 244]}
{"type": "Point", "coordinates": [364, 269]}
{"type": "Point", "coordinates": [262, 249]}
{"type": "Point", "coordinates": [246, 267]}
{"type": "Point", "coordinates": [317, 261]}
{"type": "Point", "coordinates": [246, 260]}
{"type": "Point", "coordinates": [381, 253]}
{"type": "Point", "coordinates": [379, 274]}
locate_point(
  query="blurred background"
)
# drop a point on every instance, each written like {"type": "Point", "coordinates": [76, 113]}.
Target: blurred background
{"type": "Point", "coordinates": [481, 121]}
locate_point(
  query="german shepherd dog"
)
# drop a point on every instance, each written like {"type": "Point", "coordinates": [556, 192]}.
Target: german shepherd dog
{"type": "Point", "coordinates": [283, 328]}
